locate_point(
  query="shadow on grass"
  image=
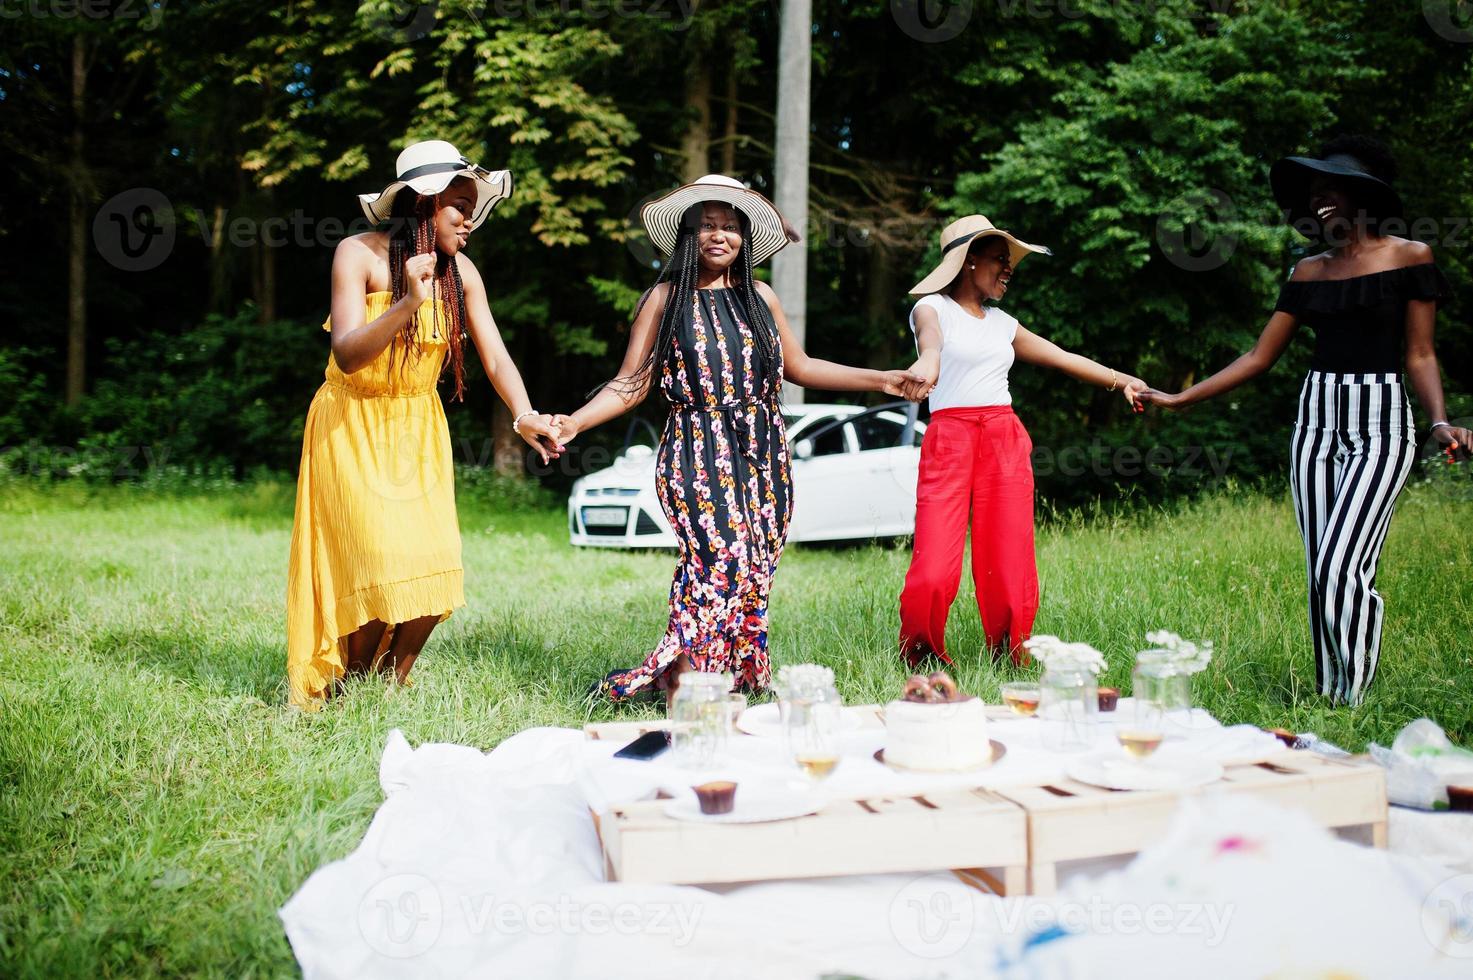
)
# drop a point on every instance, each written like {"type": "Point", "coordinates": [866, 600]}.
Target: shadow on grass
{"type": "Point", "coordinates": [222, 665]}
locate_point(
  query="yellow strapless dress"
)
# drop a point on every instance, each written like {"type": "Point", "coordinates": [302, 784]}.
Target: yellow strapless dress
{"type": "Point", "coordinates": [375, 534]}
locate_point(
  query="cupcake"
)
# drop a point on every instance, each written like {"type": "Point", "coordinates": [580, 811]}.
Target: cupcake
{"type": "Point", "coordinates": [717, 797]}
{"type": "Point", "coordinates": [1108, 698]}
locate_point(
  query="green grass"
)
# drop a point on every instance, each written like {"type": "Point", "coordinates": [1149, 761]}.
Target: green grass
{"type": "Point", "coordinates": [158, 801]}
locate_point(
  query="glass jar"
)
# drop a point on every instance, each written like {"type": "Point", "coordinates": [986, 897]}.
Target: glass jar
{"type": "Point", "coordinates": [812, 712]}
{"type": "Point", "coordinates": [699, 714]}
{"type": "Point", "coordinates": [1163, 692]}
{"type": "Point", "coordinates": [1068, 706]}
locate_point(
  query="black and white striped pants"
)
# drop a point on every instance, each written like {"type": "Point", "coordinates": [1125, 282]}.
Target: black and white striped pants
{"type": "Point", "coordinates": [1353, 448]}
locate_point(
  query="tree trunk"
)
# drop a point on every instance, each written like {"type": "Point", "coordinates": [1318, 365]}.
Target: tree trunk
{"type": "Point", "coordinates": [729, 135]}
{"type": "Point", "coordinates": [790, 170]}
{"type": "Point", "coordinates": [219, 262]}
{"type": "Point", "coordinates": [695, 147]}
{"type": "Point", "coordinates": [879, 305]}
{"type": "Point", "coordinates": [76, 353]}
{"type": "Point", "coordinates": [266, 291]}
{"type": "Point", "coordinates": [507, 448]}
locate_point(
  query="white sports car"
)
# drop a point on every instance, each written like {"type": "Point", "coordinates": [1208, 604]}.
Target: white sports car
{"type": "Point", "coordinates": [854, 477]}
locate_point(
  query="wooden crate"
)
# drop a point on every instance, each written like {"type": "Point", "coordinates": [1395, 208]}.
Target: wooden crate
{"type": "Point", "coordinates": [1069, 820]}
{"type": "Point", "coordinates": [976, 831]}
{"type": "Point", "coordinates": [1009, 840]}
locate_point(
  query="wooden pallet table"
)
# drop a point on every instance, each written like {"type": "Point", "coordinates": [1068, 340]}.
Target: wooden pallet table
{"type": "Point", "coordinates": [1008, 840]}
{"type": "Point", "coordinates": [975, 832]}
{"type": "Point", "coordinates": [1069, 820]}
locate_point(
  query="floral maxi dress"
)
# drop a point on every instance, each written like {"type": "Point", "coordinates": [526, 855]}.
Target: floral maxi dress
{"type": "Point", "coordinates": [724, 482]}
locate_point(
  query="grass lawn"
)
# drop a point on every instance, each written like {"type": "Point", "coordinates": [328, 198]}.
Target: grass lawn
{"type": "Point", "coordinates": [159, 801]}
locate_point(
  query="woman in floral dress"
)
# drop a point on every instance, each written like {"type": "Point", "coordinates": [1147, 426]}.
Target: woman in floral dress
{"type": "Point", "coordinates": [718, 343]}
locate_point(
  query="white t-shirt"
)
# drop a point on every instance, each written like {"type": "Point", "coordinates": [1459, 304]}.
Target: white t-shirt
{"type": "Point", "coordinates": [976, 354]}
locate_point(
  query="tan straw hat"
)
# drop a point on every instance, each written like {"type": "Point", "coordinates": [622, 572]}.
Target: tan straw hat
{"type": "Point", "coordinates": [956, 239]}
{"type": "Point", "coordinates": [770, 230]}
{"type": "Point", "coordinates": [429, 167]}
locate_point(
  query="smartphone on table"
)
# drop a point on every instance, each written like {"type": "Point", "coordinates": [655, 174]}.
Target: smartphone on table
{"type": "Point", "coordinates": [647, 746]}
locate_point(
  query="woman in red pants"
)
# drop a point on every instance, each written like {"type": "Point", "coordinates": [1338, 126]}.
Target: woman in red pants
{"type": "Point", "coordinates": [976, 455]}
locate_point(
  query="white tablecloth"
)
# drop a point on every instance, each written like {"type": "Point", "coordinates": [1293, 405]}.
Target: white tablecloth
{"type": "Point", "coordinates": [487, 864]}
{"type": "Point", "coordinates": [761, 763]}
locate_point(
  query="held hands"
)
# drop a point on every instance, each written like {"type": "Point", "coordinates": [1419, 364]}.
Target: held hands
{"type": "Point", "coordinates": [906, 384]}
{"type": "Point", "coordinates": [419, 278]}
{"type": "Point", "coordinates": [927, 368]}
{"type": "Point", "coordinates": [1150, 396]}
{"type": "Point", "coordinates": [567, 427]}
{"type": "Point", "coordinates": [542, 434]}
{"type": "Point", "coordinates": [1455, 441]}
{"type": "Point", "coordinates": [1132, 389]}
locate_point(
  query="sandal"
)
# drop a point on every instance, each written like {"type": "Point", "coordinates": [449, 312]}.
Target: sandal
{"type": "Point", "coordinates": [649, 694]}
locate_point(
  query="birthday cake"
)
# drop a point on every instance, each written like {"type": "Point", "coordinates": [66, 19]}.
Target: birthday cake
{"type": "Point", "coordinates": [935, 727]}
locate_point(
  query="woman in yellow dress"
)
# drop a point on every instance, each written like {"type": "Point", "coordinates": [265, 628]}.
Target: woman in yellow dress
{"type": "Point", "coordinates": [375, 556]}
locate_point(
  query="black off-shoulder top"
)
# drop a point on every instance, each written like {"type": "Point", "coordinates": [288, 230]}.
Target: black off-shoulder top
{"type": "Point", "coordinates": [1360, 323]}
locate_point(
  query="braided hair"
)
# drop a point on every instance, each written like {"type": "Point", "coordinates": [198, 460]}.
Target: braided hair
{"type": "Point", "coordinates": [681, 272]}
{"type": "Point", "coordinates": [412, 232]}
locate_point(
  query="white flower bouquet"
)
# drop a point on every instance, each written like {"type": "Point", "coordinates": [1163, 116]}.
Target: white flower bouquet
{"type": "Point", "coordinates": [1189, 656]}
{"type": "Point", "coordinates": [804, 677]}
{"type": "Point", "coordinates": [1053, 652]}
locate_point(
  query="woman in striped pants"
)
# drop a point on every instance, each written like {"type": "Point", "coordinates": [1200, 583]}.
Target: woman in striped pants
{"type": "Point", "coordinates": [1371, 299]}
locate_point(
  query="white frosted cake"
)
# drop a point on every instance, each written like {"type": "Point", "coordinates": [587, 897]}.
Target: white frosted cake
{"type": "Point", "coordinates": [939, 736]}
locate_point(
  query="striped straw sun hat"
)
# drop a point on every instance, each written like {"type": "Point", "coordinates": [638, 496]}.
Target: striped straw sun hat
{"type": "Point", "coordinates": [956, 239]}
{"type": "Point", "coordinates": [429, 167]}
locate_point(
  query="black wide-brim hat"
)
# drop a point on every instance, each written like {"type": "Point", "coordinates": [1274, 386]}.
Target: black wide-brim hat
{"type": "Point", "coordinates": [1291, 177]}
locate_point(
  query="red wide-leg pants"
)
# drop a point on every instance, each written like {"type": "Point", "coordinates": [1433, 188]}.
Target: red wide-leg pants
{"type": "Point", "coordinates": [973, 461]}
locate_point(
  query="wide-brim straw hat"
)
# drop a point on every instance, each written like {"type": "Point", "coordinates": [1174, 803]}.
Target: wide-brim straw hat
{"type": "Point", "coordinates": [1291, 177]}
{"type": "Point", "coordinates": [770, 233]}
{"type": "Point", "coordinates": [956, 239]}
{"type": "Point", "coordinates": [429, 167]}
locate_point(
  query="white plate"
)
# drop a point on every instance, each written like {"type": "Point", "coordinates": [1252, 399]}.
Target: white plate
{"type": "Point", "coordinates": [1112, 771]}
{"type": "Point", "coordinates": [766, 721]}
{"type": "Point", "coordinates": [752, 808]}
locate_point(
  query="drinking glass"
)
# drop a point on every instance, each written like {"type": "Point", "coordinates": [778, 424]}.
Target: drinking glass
{"type": "Point", "coordinates": [700, 718]}
{"type": "Point", "coordinates": [1147, 728]}
{"type": "Point", "coordinates": [1021, 697]}
{"type": "Point", "coordinates": [811, 722]}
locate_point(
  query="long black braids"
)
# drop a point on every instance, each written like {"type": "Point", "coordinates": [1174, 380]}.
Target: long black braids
{"type": "Point", "coordinates": [412, 232]}
{"type": "Point", "coordinates": [681, 272]}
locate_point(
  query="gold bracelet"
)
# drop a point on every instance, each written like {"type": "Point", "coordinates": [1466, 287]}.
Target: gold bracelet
{"type": "Point", "coordinates": [1114, 380]}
